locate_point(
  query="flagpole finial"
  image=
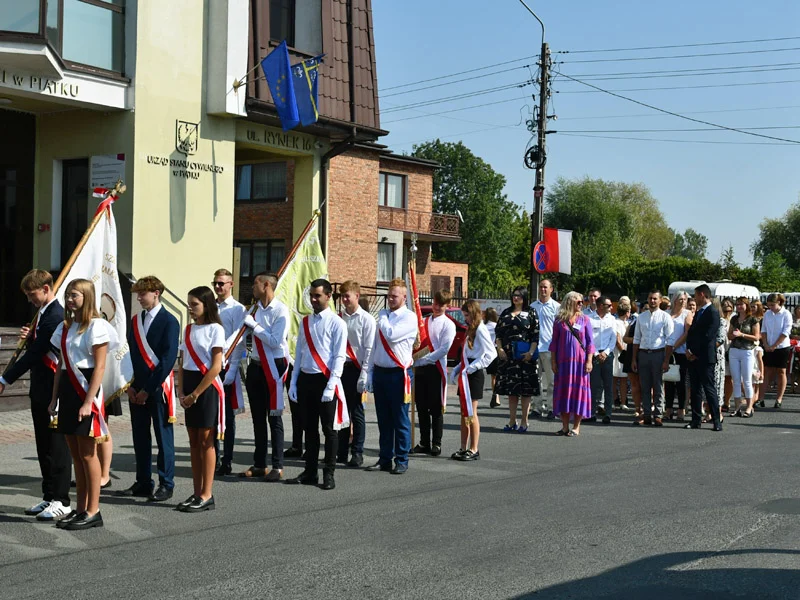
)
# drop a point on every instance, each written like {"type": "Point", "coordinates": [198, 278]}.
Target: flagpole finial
{"type": "Point", "coordinates": [317, 212]}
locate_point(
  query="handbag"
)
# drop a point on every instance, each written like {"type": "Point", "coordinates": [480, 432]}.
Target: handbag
{"type": "Point", "coordinates": [520, 348]}
{"type": "Point", "coordinates": [673, 375]}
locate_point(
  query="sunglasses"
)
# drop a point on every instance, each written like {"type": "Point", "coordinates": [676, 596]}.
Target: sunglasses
{"type": "Point", "coordinates": [608, 305]}
{"type": "Point", "coordinates": [219, 283]}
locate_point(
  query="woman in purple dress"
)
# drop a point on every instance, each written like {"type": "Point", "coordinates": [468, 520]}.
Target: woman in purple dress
{"type": "Point", "coordinates": [571, 352]}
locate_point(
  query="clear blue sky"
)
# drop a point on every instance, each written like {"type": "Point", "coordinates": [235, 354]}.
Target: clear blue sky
{"type": "Point", "coordinates": [721, 190]}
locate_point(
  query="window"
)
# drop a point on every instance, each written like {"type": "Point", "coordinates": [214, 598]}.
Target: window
{"type": "Point", "coordinates": [257, 257]}
{"type": "Point", "coordinates": [74, 204]}
{"type": "Point", "coordinates": [20, 16]}
{"type": "Point", "coordinates": [392, 191]}
{"type": "Point", "coordinates": [299, 23]}
{"type": "Point", "coordinates": [458, 287]}
{"type": "Point", "coordinates": [385, 262]}
{"type": "Point", "coordinates": [265, 182]}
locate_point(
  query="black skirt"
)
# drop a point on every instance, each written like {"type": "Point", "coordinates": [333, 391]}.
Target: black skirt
{"type": "Point", "coordinates": [69, 403]}
{"type": "Point", "coordinates": [476, 381]}
{"type": "Point", "coordinates": [492, 368]}
{"type": "Point", "coordinates": [204, 413]}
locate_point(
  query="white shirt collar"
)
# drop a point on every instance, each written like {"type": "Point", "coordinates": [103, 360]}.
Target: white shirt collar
{"type": "Point", "coordinates": [44, 308]}
{"type": "Point", "coordinates": [227, 302]}
{"type": "Point", "coordinates": [356, 312]}
{"type": "Point", "coordinates": [154, 311]}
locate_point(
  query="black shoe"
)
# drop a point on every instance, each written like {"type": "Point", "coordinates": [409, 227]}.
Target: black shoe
{"type": "Point", "coordinates": [328, 482]}
{"type": "Point", "coordinates": [293, 453]}
{"type": "Point", "coordinates": [692, 426]}
{"type": "Point", "coordinates": [399, 469]}
{"type": "Point", "coordinates": [590, 420]}
{"type": "Point", "coordinates": [457, 454]}
{"type": "Point", "coordinates": [68, 519]}
{"type": "Point", "coordinates": [420, 449]}
{"type": "Point", "coordinates": [379, 467]}
{"type": "Point", "coordinates": [190, 500]}
{"type": "Point", "coordinates": [161, 494]}
{"type": "Point", "coordinates": [356, 460]}
{"type": "Point", "coordinates": [199, 505]}
{"type": "Point", "coordinates": [305, 478]}
{"type": "Point", "coordinates": [223, 469]}
{"type": "Point", "coordinates": [436, 450]}
{"type": "Point", "coordinates": [717, 428]}
{"type": "Point", "coordinates": [494, 402]}
{"type": "Point", "coordinates": [341, 460]}
{"type": "Point", "coordinates": [137, 490]}
{"type": "Point", "coordinates": [84, 521]}
{"type": "Point", "coordinates": [606, 420]}
{"type": "Point", "coordinates": [470, 455]}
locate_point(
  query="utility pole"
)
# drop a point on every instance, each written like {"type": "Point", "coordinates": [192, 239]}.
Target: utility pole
{"type": "Point", "coordinates": [536, 158]}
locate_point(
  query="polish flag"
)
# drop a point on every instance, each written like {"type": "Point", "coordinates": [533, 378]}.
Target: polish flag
{"type": "Point", "coordinates": [558, 244]}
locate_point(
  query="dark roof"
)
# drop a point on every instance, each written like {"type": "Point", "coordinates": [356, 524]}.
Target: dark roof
{"type": "Point", "coordinates": [423, 162]}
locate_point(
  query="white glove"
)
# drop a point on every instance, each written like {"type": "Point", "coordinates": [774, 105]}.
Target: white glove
{"type": "Point", "coordinates": [454, 375]}
{"type": "Point", "coordinates": [361, 385]}
{"type": "Point", "coordinates": [230, 376]}
{"type": "Point", "coordinates": [368, 385]}
{"type": "Point", "coordinates": [250, 322]}
{"type": "Point", "coordinates": [328, 394]}
{"type": "Point", "coordinates": [293, 392]}
{"type": "Point", "coordinates": [421, 362]}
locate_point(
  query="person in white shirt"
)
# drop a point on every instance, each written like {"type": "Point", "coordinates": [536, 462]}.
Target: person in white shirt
{"type": "Point", "coordinates": [201, 394]}
{"type": "Point", "coordinates": [477, 353]}
{"type": "Point", "coordinates": [360, 342]}
{"type": "Point", "coordinates": [269, 330]}
{"type": "Point", "coordinates": [591, 302]}
{"type": "Point", "coordinates": [231, 314]}
{"type": "Point", "coordinates": [651, 354]}
{"type": "Point", "coordinates": [546, 309]}
{"type": "Point", "coordinates": [319, 359]}
{"type": "Point", "coordinates": [388, 379]}
{"type": "Point", "coordinates": [430, 376]}
{"type": "Point", "coordinates": [604, 335]}
{"type": "Point", "coordinates": [775, 331]}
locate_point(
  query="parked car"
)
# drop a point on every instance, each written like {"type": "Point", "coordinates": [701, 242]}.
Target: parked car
{"type": "Point", "coordinates": [455, 315]}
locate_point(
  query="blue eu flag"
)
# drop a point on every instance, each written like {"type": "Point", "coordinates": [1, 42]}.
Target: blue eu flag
{"type": "Point", "coordinates": [305, 76]}
{"type": "Point", "coordinates": [281, 86]}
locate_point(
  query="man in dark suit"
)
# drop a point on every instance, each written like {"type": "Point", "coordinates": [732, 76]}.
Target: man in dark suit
{"type": "Point", "coordinates": [701, 352]}
{"type": "Point", "coordinates": [51, 447]}
{"type": "Point", "coordinates": [153, 340]}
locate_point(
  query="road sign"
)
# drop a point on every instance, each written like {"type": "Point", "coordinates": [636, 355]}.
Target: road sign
{"type": "Point", "coordinates": [540, 257]}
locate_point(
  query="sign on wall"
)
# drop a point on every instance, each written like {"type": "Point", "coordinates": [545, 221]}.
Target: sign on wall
{"type": "Point", "coordinates": [106, 170]}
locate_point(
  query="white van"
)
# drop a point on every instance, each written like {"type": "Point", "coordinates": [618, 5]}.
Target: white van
{"type": "Point", "coordinates": [719, 289]}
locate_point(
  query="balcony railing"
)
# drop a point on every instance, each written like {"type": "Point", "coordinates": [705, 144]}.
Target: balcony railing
{"type": "Point", "coordinates": [420, 222]}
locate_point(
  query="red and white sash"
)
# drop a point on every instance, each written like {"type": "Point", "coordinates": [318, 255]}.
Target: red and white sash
{"type": "Point", "coordinates": [351, 354]}
{"type": "Point", "coordinates": [236, 396]}
{"type": "Point", "coordinates": [50, 359]}
{"type": "Point", "coordinates": [151, 360]}
{"type": "Point", "coordinates": [217, 383]}
{"type": "Point", "coordinates": [441, 366]}
{"type": "Point", "coordinates": [395, 360]}
{"type": "Point", "coordinates": [341, 417]}
{"type": "Point", "coordinates": [463, 388]}
{"type": "Point", "coordinates": [274, 379]}
{"type": "Point", "coordinates": [98, 428]}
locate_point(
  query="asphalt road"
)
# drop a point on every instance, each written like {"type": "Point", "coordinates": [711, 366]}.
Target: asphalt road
{"type": "Point", "coordinates": [619, 512]}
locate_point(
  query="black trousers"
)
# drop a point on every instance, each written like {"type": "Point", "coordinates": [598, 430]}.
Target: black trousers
{"type": "Point", "coordinates": [297, 417]}
{"type": "Point", "coordinates": [350, 375]}
{"type": "Point", "coordinates": [258, 396]}
{"type": "Point", "coordinates": [230, 430]}
{"type": "Point", "coordinates": [315, 412]}
{"type": "Point", "coordinates": [52, 451]}
{"type": "Point", "coordinates": [701, 377]}
{"type": "Point", "coordinates": [428, 397]}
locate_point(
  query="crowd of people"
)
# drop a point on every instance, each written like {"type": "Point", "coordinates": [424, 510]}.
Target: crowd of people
{"type": "Point", "coordinates": [580, 356]}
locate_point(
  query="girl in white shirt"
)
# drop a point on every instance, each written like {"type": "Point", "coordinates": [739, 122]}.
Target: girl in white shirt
{"type": "Point", "coordinates": [477, 354]}
{"type": "Point", "coordinates": [201, 393]}
{"type": "Point", "coordinates": [78, 396]}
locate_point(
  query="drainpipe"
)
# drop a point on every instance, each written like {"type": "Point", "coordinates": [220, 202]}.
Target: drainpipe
{"type": "Point", "coordinates": [336, 150]}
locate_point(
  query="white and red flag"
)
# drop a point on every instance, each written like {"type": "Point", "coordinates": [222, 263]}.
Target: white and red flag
{"type": "Point", "coordinates": [558, 246]}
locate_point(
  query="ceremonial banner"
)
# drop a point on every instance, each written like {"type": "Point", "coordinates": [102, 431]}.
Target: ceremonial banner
{"type": "Point", "coordinates": [306, 265]}
{"type": "Point", "coordinates": [412, 302]}
{"type": "Point", "coordinates": [97, 262]}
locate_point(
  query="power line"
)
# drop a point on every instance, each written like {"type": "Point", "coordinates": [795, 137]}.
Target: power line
{"type": "Point", "coordinates": [676, 87]}
{"type": "Point", "coordinates": [438, 85]}
{"type": "Point", "coordinates": [677, 130]}
{"type": "Point", "coordinates": [674, 114]}
{"type": "Point", "coordinates": [677, 74]}
{"type": "Point", "coordinates": [679, 56]}
{"type": "Point", "coordinates": [458, 97]}
{"type": "Point", "coordinates": [780, 39]}
{"type": "Point", "coordinates": [660, 71]}
{"type": "Point", "coordinates": [446, 112]}
{"type": "Point", "coordinates": [500, 64]}
{"type": "Point", "coordinates": [696, 112]}
{"type": "Point", "coordinates": [614, 137]}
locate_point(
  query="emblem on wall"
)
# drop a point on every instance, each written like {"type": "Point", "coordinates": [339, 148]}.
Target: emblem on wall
{"type": "Point", "coordinates": [186, 136]}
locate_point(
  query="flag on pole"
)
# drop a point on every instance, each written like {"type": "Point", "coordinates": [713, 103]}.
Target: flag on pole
{"type": "Point", "coordinates": [281, 85]}
{"type": "Point", "coordinates": [307, 264]}
{"type": "Point", "coordinates": [306, 76]}
{"type": "Point", "coordinates": [558, 246]}
{"type": "Point", "coordinates": [97, 262]}
{"type": "Point", "coordinates": [412, 302]}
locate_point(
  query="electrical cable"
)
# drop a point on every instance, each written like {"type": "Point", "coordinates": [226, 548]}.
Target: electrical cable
{"type": "Point", "coordinates": [458, 97]}
{"type": "Point", "coordinates": [680, 56]}
{"type": "Point", "coordinates": [779, 39]}
{"type": "Point", "coordinates": [616, 137]}
{"type": "Point", "coordinates": [680, 87]}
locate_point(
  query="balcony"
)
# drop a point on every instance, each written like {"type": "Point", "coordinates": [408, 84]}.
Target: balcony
{"type": "Point", "coordinates": [429, 226]}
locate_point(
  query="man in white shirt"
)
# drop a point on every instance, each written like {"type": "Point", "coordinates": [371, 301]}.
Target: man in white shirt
{"type": "Point", "coordinates": [775, 331]}
{"type": "Point", "coordinates": [231, 313]}
{"type": "Point", "coordinates": [604, 335]}
{"type": "Point", "coordinates": [389, 380]}
{"type": "Point", "coordinates": [430, 376]}
{"type": "Point", "coordinates": [360, 342]}
{"type": "Point", "coordinates": [546, 308]}
{"type": "Point", "coordinates": [319, 359]}
{"type": "Point", "coordinates": [593, 297]}
{"type": "Point", "coordinates": [269, 328]}
{"type": "Point", "coordinates": [651, 356]}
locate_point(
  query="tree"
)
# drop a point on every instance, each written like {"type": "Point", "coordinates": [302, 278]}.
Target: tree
{"type": "Point", "coordinates": [775, 275]}
{"type": "Point", "coordinates": [495, 230]}
{"type": "Point", "coordinates": [690, 244]}
{"type": "Point", "coordinates": [780, 235]}
{"type": "Point", "coordinates": [728, 263]}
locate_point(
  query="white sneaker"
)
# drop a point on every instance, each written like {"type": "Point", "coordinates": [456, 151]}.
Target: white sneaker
{"type": "Point", "coordinates": [37, 508]}
{"type": "Point", "coordinates": [55, 510]}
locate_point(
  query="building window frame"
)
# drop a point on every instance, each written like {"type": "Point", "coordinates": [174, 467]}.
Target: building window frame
{"type": "Point", "coordinates": [393, 250]}
{"type": "Point", "coordinates": [383, 186]}
{"type": "Point", "coordinates": [290, 36]}
{"type": "Point", "coordinates": [248, 271]}
{"type": "Point", "coordinates": [252, 165]}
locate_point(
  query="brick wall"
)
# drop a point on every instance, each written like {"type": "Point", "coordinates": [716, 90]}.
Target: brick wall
{"type": "Point", "coordinates": [353, 185]}
{"type": "Point", "coordinates": [267, 220]}
{"type": "Point", "coordinates": [419, 180]}
{"type": "Point", "coordinates": [423, 265]}
{"type": "Point", "coordinates": [452, 270]}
